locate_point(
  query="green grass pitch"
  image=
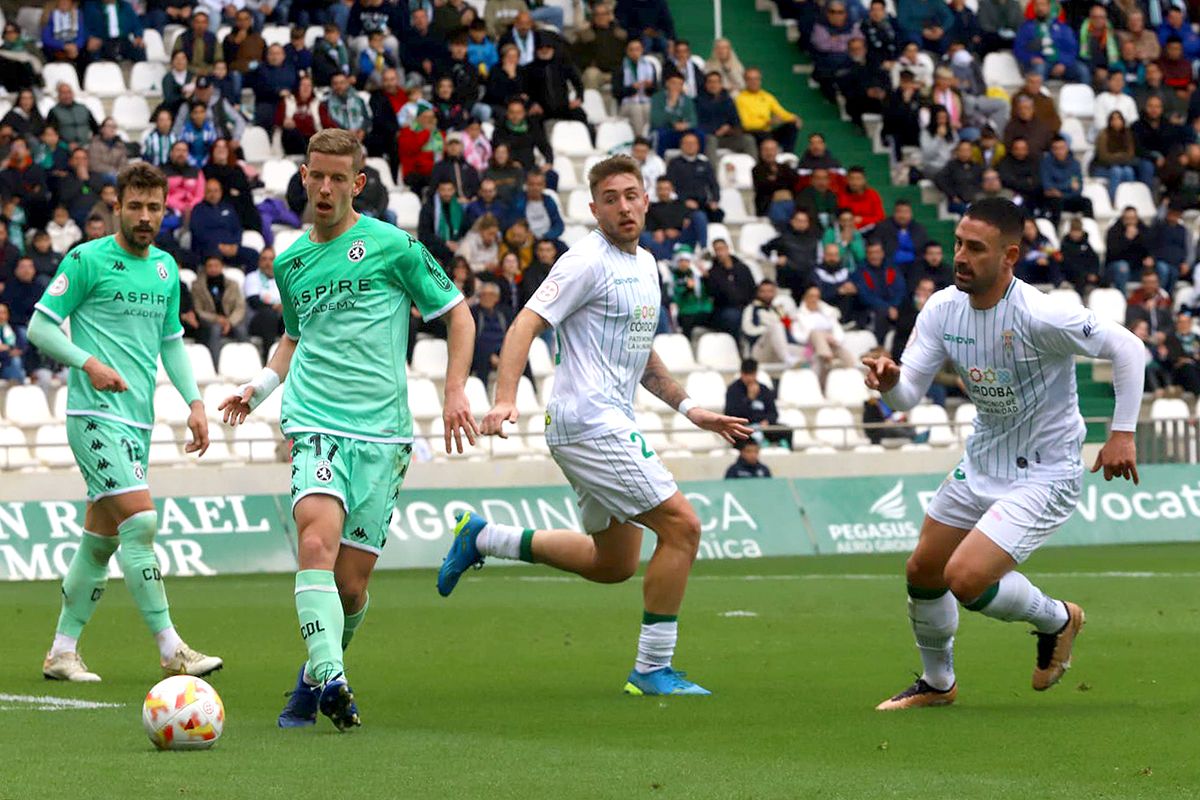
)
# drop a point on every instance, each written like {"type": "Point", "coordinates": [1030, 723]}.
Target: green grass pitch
{"type": "Point", "coordinates": [511, 688]}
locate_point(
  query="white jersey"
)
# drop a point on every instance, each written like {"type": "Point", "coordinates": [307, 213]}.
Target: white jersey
{"type": "Point", "coordinates": [1016, 360]}
{"type": "Point", "coordinates": [603, 304]}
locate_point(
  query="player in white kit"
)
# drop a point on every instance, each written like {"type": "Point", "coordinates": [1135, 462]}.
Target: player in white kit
{"type": "Point", "coordinates": [602, 298]}
{"type": "Point", "coordinates": [1019, 481]}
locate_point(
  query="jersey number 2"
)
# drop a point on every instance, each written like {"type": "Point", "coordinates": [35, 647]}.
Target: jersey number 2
{"type": "Point", "coordinates": [640, 440]}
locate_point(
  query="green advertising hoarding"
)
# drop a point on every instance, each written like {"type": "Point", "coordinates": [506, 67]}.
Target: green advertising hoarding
{"type": "Point", "coordinates": [228, 534]}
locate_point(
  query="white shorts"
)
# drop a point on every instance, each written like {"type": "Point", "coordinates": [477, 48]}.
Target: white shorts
{"type": "Point", "coordinates": [1019, 517]}
{"type": "Point", "coordinates": [616, 476]}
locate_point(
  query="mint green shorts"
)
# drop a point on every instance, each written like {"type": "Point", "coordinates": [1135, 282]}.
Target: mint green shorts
{"type": "Point", "coordinates": [111, 455]}
{"type": "Point", "coordinates": [364, 476]}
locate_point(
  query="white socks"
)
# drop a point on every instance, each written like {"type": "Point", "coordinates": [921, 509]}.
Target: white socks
{"type": "Point", "coordinates": [63, 644]}
{"type": "Point", "coordinates": [168, 642]}
{"type": "Point", "coordinates": [934, 623]}
{"type": "Point", "coordinates": [656, 645]}
{"type": "Point", "coordinates": [500, 541]}
{"type": "Point", "coordinates": [1016, 599]}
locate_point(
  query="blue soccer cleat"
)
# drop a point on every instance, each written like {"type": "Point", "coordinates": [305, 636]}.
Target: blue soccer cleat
{"type": "Point", "coordinates": [463, 553]}
{"type": "Point", "coordinates": [301, 708]}
{"type": "Point", "coordinates": [337, 703]}
{"type": "Point", "coordinates": [661, 682]}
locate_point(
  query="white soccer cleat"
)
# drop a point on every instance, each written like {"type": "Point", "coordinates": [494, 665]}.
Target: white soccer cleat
{"type": "Point", "coordinates": [187, 661]}
{"type": "Point", "coordinates": [67, 667]}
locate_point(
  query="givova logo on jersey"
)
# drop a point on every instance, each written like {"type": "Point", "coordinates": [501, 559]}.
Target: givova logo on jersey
{"type": "Point", "coordinates": [643, 322]}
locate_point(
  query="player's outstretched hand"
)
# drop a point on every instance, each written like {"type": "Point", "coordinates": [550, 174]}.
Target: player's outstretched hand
{"type": "Point", "coordinates": [1118, 457]}
{"type": "Point", "coordinates": [493, 421]}
{"type": "Point", "coordinates": [235, 408]}
{"type": "Point", "coordinates": [198, 424]}
{"type": "Point", "coordinates": [103, 377]}
{"type": "Point", "coordinates": [882, 373]}
{"type": "Point", "coordinates": [731, 429]}
{"type": "Point", "coordinates": [457, 419]}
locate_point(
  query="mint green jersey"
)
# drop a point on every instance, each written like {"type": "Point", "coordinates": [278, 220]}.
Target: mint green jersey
{"type": "Point", "coordinates": [347, 303]}
{"type": "Point", "coordinates": [122, 309]}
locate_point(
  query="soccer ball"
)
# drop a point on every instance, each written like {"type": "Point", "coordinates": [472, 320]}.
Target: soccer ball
{"type": "Point", "coordinates": [183, 713]}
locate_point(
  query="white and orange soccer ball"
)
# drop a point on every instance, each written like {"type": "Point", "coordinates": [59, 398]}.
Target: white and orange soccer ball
{"type": "Point", "coordinates": [183, 713]}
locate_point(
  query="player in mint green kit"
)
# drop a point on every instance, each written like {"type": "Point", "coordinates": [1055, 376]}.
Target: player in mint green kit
{"type": "Point", "coordinates": [122, 296]}
{"type": "Point", "coordinates": [347, 287]}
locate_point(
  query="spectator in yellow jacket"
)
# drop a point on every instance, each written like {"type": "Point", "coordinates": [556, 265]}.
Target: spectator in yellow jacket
{"type": "Point", "coordinates": [762, 115]}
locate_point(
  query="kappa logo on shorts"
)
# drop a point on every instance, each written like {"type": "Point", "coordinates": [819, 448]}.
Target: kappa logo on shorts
{"type": "Point", "coordinates": [357, 251]}
{"type": "Point", "coordinates": [110, 484]}
{"type": "Point", "coordinates": [162, 270]}
{"type": "Point", "coordinates": [103, 465]}
{"type": "Point", "coordinates": [59, 287]}
{"type": "Point", "coordinates": [97, 444]}
{"type": "Point", "coordinates": [91, 425]}
{"type": "Point", "coordinates": [323, 472]}
{"type": "Point", "coordinates": [359, 534]}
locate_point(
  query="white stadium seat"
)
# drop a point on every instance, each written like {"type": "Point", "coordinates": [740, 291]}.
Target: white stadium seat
{"type": "Point", "coordinates": [964, 419]}
{"type": "Point", "coordinates": [685, 434]}
{"type": "Point", "coordinates": [1077, 100]}
{"type": "Point", "coordinates": [104, 79]}
{"type": "Point", "coordinates": [430, 357]}
{"type": "Point", "coordinates": [271, 409]}
{"type": "Point", "coordinates": [131, 113]}
{"type": "Point", "coordinates": [1046, 228]}
{"type": "Point", "coordinates": [578, 207]}
{"type": "Point", "coordinates": [1136, 194]}
{"type": "Point", "coordinates": [60, 404]}
{"type": "Point", "coordinates": [386, 175]}
{"type": "Point", "coordinates": [540, 363]}
{"type": "Point", "coordinates": [845, 387]}
{"type": "Point", "coordinates": [407, 208]}
{"type": "Point", "coordinates": [573, 233]}
{"type": "Point", "coordinates": [276, 174]}
{"type": "Point", "coordinates": [566, 174]}
{"type": "Point", "coordinates": [202, 363]}
{"type": "Point", "coordinates": [14, 449]}
{"type": "Point", "coordinates": [277, 34]}
{"type": "Point", "coordinates": [796, 419]}
{"type": "Point", "coordinates": [933, 419]}
{"type": "Point", "coordinates": [614, 135]}
{"type": "Point", "coordinates": [650, 425]}
{"type": "Point", "coordinates": [734, 206]}
{"type": "Point", "coordinates": [218, 446]}
{"type": "Point", "coordinates": [239, 362]}
{"type": "Point", "coordinates": [256, 146]}
{"type": "Point", "coordinates": [1066, 296]}
{"type": "Point", "coordinates": [535, 434]}
{"type": "Point", "coordinates": [593, 106]}
{"type": "Point", "coordinates": [676, 352]}
{"type": "Point", "coordinates": [254, 240]}
{"type": "Point", "coordinates": [423, 399]}
{"type": "Point", "coordinates": [51, 448]}
{"type": "Point", "coordinates": [164, 451]}
{"type": "Point", "coordinates": [707, 389]}
{"type": "Point", "coordinates": [214, 394]}
{"type": "Point", "coordinates": [800, 388]}
{"type": "Point", "coordinates": [571, 138]}
{"type": "Point", "coordinates": [734, 169]}
{"type": "Point", "coordinates": [187, 277]}
{"type": "Point", "coordinates": [860, 342]}
{"type": "Point", "coordinates": [1102, 207]}
{"type": "Point", "coordinates": [27, 407]}
{"type": "Point", "coordinates": [527, 401]}
{"type": "Point", "coordinates": [169, 406]}
{"type": "Point", "coordinates": [146, 77]}
{"type": "Point", "coordinates": [718, 351]}
{"type": "Point", "coordinates": [754, 235]}
{"type": "Point", "coordinates": [286, 238]}
{"type": "Point", "coordinates": [646, 401]}
{"type": "Point", "coordinates": [836, 426]}
{"type": "Point", "coordinates": [477, 396]}
{"type": "Point", "coordinates": [1001, 69]}
{"type": "Point", "coordinates": [1108, 304]}
{"type": "Point", "coordinates": [156, 50]}
{"type": "Point", "coordinates": [58, 72]}
{"type": "Point", "coordinates": [254, 440]}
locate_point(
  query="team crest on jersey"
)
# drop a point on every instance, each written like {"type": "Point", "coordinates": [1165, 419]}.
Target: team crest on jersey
{"type": "Point", "coordinates": [139, 471]}
{"type": "Point", "coordinates": [162, 270]}
{"type": "Point", "coordinates": [1009, 339]}
{"type": "Point", "coordinates": [547, 291]}
{"type": "Point", "coordinates": [323, 472]}
{"type": "Point", "coordinates": [59, 286]}
{"type": "Point", "coordinates": [357, 251]}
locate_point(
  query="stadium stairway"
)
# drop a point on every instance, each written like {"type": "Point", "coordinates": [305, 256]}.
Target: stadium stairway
{"type": "Point", "coordinates": [759, 42]}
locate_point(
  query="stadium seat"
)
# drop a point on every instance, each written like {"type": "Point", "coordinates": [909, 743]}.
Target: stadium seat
{"type": "Point", "coordinates": [719, 230]}
{"type": "Point", "coordinates": [860, 342]}
{"type": "Point", "coordinates": [718, 351]}
{"type": "Point", "coordinates": [593, 106]}
{"type": "Point", "coordinates": [733, 171]}
{"type": "Point", "coordinates": [429, 359]}
{"type": "Point", "coordinates": [535, 434]}
{"type": "Point", "coordinates": [59, 407]}
{"type": "Point", "coordinates": [797, 420]}
{"type": "Point", "coordinates": [239, 362]}
{"type": "Point", "coordinates": [311, 34]}
{"type": "Point", "coordinates": [845, 387]}
{"type": "Point", "coordinates": [964, 419]}
{"type": "Point", "coordinates": [407, 208]}
{"type": "Point", "coordinates": [800, 388]}
{"type": "Point", "coordinates": [1095, 237]}
{"type": "Point", "coordinates": [187, 277]}
{"type": "Point", "coordinates": [254, 240]}
{"type": "Point", "coordinates": [156, 52]}
{"type": "Point", "coordinates": [1046, 228]}
{"type": "Point", "coordinates": [644, 400]}
{"type": "Point", "coordinates": [684, 434]}
{"type": "Point", "coordinates": [1001, 69]}
{"type": "Point", "coordinates": [613, 136]}
{"type": "Point", "coordinates": [50, 446]}
{"type": "Point", "coordinates": [573, 233]}
{"type": "Point", "coordinates": [423, 399]}
{"type": "Point", "coordinates": [131, 113]}
{"type": "Point", "coordinates": [1072, 128]}
{"type": "Point", "coordinates": [256, 146]}
{"type": "Point", "coordinates": [1184, 296]}
{"type": "Point", "coordinates": [169, 34]}
{"type": "Point", "coordinates": [214, 394]}
{"type": "Point", "coordinates": [277, 34]}
{"type": "Point", "coordinates": [218, 446]}
{"type": "Point", "coordinates": [58, 72]}
{"type": "Point", "coordinates": [386, 175]}
{"type": "Point", "coordinates": [164, 452]}
{"type": "Point", "coordinates": [651, 426]}
{"type": "Point", "coordinates": [932, 419]}
{"type": "Point", "coordinates": [540, 363]}
{"type": "Point", "coordinates": [1066, 296]}
{"type": "Point", "coordinates": [169, 406]}
{"type": "Point", "coordinates": [578, 207]}
{"type": "Point", "coordinates": [286, 238]}
{"type": "Point", "coordinates": [146, 77]}
{"type": "Point", "coordinates": [29, 20]}
{"type": "Point", "coordinates": [104, 79]}
{"type": "Point", "coordinates": [836, 427]}
{"type": "Point", "coordinates": [511, 446]}
{"type": "Point", "coordinates": [676, 352]}
{"type": "Point", "coordinates": [276, 174]}
{"type": "Point", "coordinates": [1169, 408]}
{"type": "Point", "coordinates": [93, 105]}
{"type": "Point", "coordinates": [545, 389]}
{"type": "Point", "coordinates": [1136, 194]}
{"type": "Point", "coordinates": [753, 236]}
{"type": "Point", "coordinates": [570, 138]}
{"type": "Point", "coordinates": [1102, 207]}
{"type": "Point", "coordinates": [271, 409]}
{"type": "Point", "coordinates": [734, 206]}
{"type": "Point", "coordinates": [707, 389]}
{"type": "Point", "coordinates": [1108, 304]}
{"type": "Point", "coordinates": [27, 407]}
{"type": "Point", "coordinates": [477, 396]}
{"type": "Point", "coordinates": [527, 401]}
{"type": "Point", "coordinates": [14, 450]}
{"type": "Point", "coordinates": [202, 363]}
{"type": "Point", "coordinates": [254, 441]}
{"type": "Point", "coordinates": [1077, 100]}
{"type": "Point", "coordinates": [566, 174]}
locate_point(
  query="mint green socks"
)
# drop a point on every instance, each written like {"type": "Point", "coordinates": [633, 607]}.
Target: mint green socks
{"type": "Point", "coordinates": [322, 622]}
{"type": "Point", "coordinates": [84, 583]}
{"type": "Point", "coordinates": [352, 621]}
{"type": "Point", "coordinates": [142, 574]}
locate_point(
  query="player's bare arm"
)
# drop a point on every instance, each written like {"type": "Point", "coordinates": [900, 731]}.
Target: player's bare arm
{"type": "Point", "coordinates": [513, 355]}
{"type": "Point", "coordinates": [198, 424]}
{"type": "Point", "coordinates": [658, 382]}
{"type": "Point", "coordinates": [882, 373]}
{"type": "Point", "coordinates": [1118, 457]}
{"type": "Point", "coordinates": [237, 407]}
{"type": "Point", "coordinates": [103, 377]}
{"type": "Point", "coordinates": [456, 409]}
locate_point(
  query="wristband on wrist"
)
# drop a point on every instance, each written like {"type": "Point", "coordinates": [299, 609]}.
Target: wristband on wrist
{"type": "Point", "coordinates": [686, 405]}
{"type": "Point", "coordinates": [263, 384]}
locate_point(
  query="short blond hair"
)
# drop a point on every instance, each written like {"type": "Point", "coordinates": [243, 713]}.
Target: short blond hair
{"type": "Point", "coordinates": [614, 165]}
{"type": "Point", "coordinates": [337, 142]}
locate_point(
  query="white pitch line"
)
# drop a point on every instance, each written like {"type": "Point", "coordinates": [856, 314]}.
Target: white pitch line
{"type": "Point", "coordinates": [51, 703]}
{"type": "Point", "coordinates": [862, 576]}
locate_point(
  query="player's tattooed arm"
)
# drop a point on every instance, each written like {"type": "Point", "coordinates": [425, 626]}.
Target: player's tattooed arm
{"type": "Point", "coordinates": [658, 382]}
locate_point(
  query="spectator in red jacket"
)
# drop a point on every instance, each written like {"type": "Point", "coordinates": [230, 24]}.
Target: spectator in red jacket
{"type": "Point", "coordinates": [861, 199]}
{"type": "Point", "coordinates": [420, 145]}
